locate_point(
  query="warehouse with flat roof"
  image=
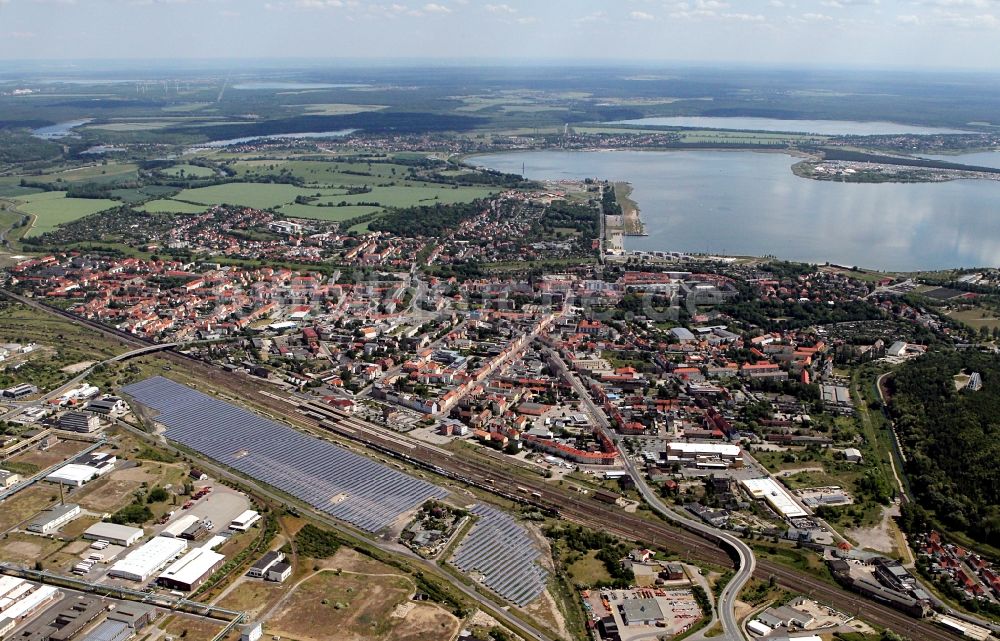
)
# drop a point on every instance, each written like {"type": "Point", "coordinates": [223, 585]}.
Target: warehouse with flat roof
{"type": "Point", "coordinates": [179, 525]}
{"type": "Point", "coordinates": [54, 518]}
{"type": "Point", "coordinates": [144, 561]}
{"type": "Point", "coordinates": [191, 570]}
{"type": "Point", "coordinates": [122, 535]}
{"type": "Point", "coordinates": [777, 497]}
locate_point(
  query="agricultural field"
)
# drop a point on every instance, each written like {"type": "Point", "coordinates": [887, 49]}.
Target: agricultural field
{"type": "Point", "coordinates": [324, 172]}
{"type": "Point", "coordinates": [188, 171]}
{"type": "Point", "coordinates": [976, 317]}
{"type": "Point", "coordinates": [103, 174]}
{"type": "Point", "coordinates": [258, 195]}
{"type": "Point", "coordinates": [51, 209]}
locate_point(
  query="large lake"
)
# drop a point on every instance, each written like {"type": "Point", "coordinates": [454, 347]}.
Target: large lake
{"type": "Point", "coordinates": [748, 203]}
{"type": "Point", "coordinates": [821, 127]}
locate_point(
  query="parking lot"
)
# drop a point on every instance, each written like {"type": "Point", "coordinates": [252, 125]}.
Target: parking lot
{"type": "Point", "coordinates": [677, 610]}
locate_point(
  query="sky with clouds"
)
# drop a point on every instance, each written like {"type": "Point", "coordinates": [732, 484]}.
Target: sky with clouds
{"type": "Point", "coordinates": [869, 33]}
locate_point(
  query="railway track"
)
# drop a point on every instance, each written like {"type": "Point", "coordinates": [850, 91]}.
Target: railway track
{"type": "Point", "coordinates": [574, 508]}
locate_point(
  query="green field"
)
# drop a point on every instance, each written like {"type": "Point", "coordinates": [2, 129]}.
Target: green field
{"type": "Point", "coordinates": [94, 173]}
{"type": "Point", "coordinates": [189, 171]}
{"type": "Point", "coordinates": [406, 196]}
{"type": "Point", "coordinates": [172, 206]}
{"type": "Point", "coordinates": [328, 172]}
{"type": "Point", "coordinates": [259, 195]}
{"type": "Point", "coordinates": [52, 208]}
{"type": "Point", "coordinates": [277, 195]}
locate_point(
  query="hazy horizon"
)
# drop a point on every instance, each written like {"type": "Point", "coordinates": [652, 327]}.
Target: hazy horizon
{"type": "Point", "coordinates": [938, 35]}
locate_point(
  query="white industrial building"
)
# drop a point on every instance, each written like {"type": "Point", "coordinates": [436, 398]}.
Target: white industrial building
{"type": "Point", "coordinates": [73, 475]}
{"type": "Point", "coordinates": [143, 562]}
{"type": "Point", "coordinates": [25, 599]}
{"type": "Point", "coordinates": [179, 525]}
{"type": "Point", "coordinates": [245, 521]}
{"type": "Point", "coordinates": [122, 535]}
{"type": "Point", "coordinates": [83, 469]}
{"type": "Point", "coordinates": [54, 518]}
{"type": "Point", "coordinates": [691, 451]}
{"type": "Point", "coordinates": [191, 570]}
{"type": "Point", "coordinates": [767, 489]}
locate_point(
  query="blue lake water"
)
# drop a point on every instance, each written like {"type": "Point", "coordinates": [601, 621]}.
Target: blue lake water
{"type": "Point", "coordinates": [748, 203]}
{"type": "Point", "coordinates": [59, 130]}
{"type": "Point", "coordinates": [822, 127]}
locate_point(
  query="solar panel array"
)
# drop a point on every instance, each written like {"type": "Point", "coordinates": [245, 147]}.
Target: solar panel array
{"type": "Point", "coordinates": [343, 484]}
{"type": "Point", "coordinates": [505, 554]}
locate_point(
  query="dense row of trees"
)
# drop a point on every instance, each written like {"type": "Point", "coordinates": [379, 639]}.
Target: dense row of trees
{"type": "Point", "coordinates": [426, 220]}
{"type": "Point", "coordinates": [951, 440]}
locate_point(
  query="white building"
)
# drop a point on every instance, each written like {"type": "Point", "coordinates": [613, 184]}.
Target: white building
{"type": "Point", "coordinates": [54, 518]}
{"type": "Point", "coordinates": [143, 562]}
{"type": "Point", "coordinates": [191, 570]}
{"type": "Point", "coordinates": [122, 535]}
{"type": "Point", "coordinates": [767, 489]}
{"type": "Point", "coordinates": [852, 455]}
{"type": "Point", "coordinates": [245, 521]}
{"type": "Point", "coordinates": [179, 525]}
{"type": "Point", "coordinates": [690, 451]}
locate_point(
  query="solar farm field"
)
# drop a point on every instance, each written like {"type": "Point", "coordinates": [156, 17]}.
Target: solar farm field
{"type": "Point", "coordinates": [504, 553]}
{"type": "Point", "coordinates": [345, 485]}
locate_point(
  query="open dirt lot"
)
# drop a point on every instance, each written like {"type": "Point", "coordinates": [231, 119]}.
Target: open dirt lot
{"type": "Point", "coordinates": [25, 504]}
{"type": "Point", "coordinates": [360, 607]}
{"type": "Point", "coordinates": [61, 451]}
{"type": "Point", "coordinates": [115, 491]}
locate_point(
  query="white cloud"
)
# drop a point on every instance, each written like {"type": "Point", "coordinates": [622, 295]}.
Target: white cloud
{"type": "Point", "coordinates": [743, 17]}
{"type": "Point", "coordinates": [500, 8]}
{"type": "Point", "coordinates": [527, 20]}
{"type": "Point", "coordinates": [433, 7]}
{"type": "Point", "coordinates": [591, 17]}
{"type": "Point", "coordinates": [641, 16]}
{"type": "Point", "coordinates": [909, 20]}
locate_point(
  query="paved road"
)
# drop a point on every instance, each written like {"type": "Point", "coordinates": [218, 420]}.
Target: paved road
{"type": "Point", "coordinates": [746, 563]}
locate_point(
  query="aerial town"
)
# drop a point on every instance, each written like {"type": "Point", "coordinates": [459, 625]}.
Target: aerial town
{"type": "Point", "coordinates": [247, 430]}
{"type": "Point", "coordinates": [415, 344]}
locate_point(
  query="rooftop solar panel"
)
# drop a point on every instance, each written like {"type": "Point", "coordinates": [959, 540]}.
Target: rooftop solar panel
{"type": "Point", "coordinates": [345, 485]}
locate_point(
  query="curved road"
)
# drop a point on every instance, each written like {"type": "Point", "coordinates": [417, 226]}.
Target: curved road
{"type": "Point", "coordinates": [76, 380]}
{"type": "Point", "coordinates": [745, 561]}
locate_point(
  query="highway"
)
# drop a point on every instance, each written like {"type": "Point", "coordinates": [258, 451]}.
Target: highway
{"type": "Point", "coordinates": [569, 504]}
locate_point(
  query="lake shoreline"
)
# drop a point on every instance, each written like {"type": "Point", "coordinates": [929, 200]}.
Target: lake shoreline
{"type": "Point", "coordinates": [739, 204]}
{"type": "Point", "coordinates": [630, 209]}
